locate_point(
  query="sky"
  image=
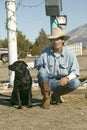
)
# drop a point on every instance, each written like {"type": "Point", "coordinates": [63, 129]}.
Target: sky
{"type": "Point", "coordinates": [31, 16]}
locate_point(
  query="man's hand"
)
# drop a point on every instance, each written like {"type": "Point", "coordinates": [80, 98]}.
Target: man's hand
{"type": "Point", "coordinates": [63, 81]}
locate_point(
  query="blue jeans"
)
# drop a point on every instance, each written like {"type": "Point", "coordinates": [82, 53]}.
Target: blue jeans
{"type": "Point", "coordinates": [53, 82]}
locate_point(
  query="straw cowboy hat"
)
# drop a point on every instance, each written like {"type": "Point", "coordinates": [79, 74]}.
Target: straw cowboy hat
{"type": "Point", "coordinates": [57, 32]}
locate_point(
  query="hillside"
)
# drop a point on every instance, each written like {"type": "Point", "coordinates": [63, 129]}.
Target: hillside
{"type": "Point", "coordinates": [79, 35]}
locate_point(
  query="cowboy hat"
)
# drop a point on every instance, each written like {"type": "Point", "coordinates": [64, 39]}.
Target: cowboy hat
{"type": "Point", "coordinates": [57, 33]}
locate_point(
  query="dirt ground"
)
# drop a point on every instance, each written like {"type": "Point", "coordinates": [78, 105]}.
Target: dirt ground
{"type": "Point", "coordinates": [70, 115]}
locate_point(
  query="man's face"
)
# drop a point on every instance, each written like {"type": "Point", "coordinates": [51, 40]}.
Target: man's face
{"type": "Point", "coordinates": [57, 43]}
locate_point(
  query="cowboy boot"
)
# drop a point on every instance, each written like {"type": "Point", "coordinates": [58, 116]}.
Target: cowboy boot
{"type": "Point", "coordinates": [45, 90]}
{"type": "Point", "coordinates": [56, 95]}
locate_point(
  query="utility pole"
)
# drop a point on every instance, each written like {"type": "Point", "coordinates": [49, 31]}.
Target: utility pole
{"type": "Point", "coordinates": [11, 35]}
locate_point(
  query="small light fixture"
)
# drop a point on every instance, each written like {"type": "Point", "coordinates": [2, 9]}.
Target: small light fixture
{"type": "Point", "coordinates": [62, 20]}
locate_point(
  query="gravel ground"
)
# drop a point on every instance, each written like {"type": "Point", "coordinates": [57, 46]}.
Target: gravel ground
{"type": "Point", "coordinates": [70, 115]}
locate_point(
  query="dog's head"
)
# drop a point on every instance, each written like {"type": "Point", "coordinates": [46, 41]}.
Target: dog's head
{"type": "Point", "coordinates": [18, 66]}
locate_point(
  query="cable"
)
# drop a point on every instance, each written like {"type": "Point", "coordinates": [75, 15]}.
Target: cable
{"type": "Point", "coordinates": [30, 6]}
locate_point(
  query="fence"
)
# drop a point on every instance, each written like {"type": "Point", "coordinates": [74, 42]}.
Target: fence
{"type": "Point", "coordinates": [76, 48]}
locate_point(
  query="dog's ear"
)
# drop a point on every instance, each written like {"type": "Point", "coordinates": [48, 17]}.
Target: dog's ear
{"type": "Point", "coordinates": [22, 65]}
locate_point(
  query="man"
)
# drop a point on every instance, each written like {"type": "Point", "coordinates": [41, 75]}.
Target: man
{"type": "Point", "coordinates": [58, 69]}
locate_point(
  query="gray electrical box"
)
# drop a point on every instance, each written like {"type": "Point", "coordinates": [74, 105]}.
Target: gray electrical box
{"type": "Point", "coordinates": [53, 7]}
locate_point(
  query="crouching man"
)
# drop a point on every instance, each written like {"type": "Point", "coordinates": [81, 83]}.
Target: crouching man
{"type": "Point", "coordinates": [58, 69]}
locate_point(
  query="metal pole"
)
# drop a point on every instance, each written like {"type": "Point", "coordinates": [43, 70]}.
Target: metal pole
{"type": "Point", "coordinates": [53, 22]}
{"type": "Point", "coordinates": [53, 19]}
{"type": "Point", "coordinates": [11, 35]}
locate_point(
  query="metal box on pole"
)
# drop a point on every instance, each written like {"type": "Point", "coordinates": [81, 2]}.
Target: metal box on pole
{"type": "Point", "coordinates": [53, 7]}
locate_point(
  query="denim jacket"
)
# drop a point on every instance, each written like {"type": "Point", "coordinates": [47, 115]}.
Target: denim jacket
{"type": "Point", "coordinates": [60, 66]}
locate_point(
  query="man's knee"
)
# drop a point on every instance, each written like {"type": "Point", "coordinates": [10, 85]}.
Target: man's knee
{"type": "Point", "coordinates": [42, 75]}
{"type": "Point", "coordinates": [74, 84]}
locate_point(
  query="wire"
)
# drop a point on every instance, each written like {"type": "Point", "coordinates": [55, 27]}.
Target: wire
{"type": "Point", "coordinates": [30, 6]}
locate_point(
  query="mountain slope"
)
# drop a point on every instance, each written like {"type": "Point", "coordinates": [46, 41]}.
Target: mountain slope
{"type": "Point", "coordinates": [79, 35]}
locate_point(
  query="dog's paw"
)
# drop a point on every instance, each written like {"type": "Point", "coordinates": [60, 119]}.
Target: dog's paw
{"type": "Point", "coordinates": [19, 107]}
{"type": "Point", "coordinates": [29, 106]}
{"type": "Point", "coordinates": [11, 104]}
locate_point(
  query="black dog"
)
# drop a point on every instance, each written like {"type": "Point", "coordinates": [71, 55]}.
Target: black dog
{"type": "Point", "coordinates": [21, 94]}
